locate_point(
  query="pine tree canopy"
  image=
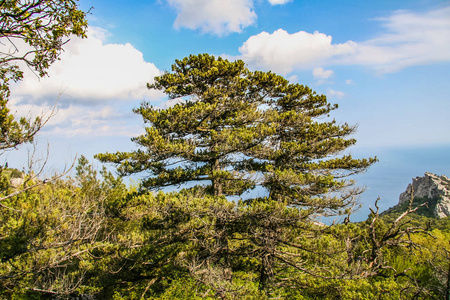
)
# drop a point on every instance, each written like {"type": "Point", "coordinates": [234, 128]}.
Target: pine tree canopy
{"type": "Point", "coordinates": [233, 129]}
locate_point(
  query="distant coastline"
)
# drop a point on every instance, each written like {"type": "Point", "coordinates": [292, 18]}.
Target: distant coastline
{"type": "Point", "coordinates": [394, 171]}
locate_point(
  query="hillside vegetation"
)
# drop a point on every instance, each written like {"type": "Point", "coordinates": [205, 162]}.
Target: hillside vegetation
{"type": "Point", "coordinates": [232, 130]}
{"type": "Point", "coordinates": [96, 236]}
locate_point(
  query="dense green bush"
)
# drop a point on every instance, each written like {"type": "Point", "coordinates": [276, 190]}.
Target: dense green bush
{"type": "Point", "coordinates": [96, 236]}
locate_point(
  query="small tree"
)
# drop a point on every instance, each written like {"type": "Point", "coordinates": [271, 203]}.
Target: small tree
{"type": "Point", "coordinates": [54, 237]}
{"type": "Point", "coordinates": [32, 34]}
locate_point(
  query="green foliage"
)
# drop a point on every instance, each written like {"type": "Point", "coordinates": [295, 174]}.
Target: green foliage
{"type": "Point", "coordinates": [204, 138]}
{"type": "Point", "coordinates": [235, 129]}
{"type": "Point", "coordinates": [42, 24]}
{"type": "Point", "coordinates": [16, 173]}
{"type": "Point", "coordinates": [92, 235]}
{"type": "Point", "coordinates": [48, 236]}
{"type": "Point", "coordinates": [425, 208]}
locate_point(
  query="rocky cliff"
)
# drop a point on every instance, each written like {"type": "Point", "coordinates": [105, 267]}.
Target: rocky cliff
{"type": "Point", "coordinates": [430, 186]}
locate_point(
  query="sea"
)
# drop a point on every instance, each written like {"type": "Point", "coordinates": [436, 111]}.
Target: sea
{"type": "Point", "coordinates": [396, 168]}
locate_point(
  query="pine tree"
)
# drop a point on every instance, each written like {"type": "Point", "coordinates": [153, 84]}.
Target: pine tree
{"type": "Point", "coordinates": [302, 158]}
{"type": "Point", "coordinates": [235, 130]}
{"type": "Point", "coordinates": [205, 136]}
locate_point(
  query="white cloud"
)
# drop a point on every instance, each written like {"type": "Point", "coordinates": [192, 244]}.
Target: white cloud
{"type": "Point", "coordinates": [214, 16]}
{"type": "Point", "coordinates": [90, 70]}
{"type": "Point", "coordinates": [283, 52]}
{"type": "Point", "coordinates": [409, 39]}
{"type": "Point", "coordinates": [99, 83]}
{"type": "Point", "coordinates": [335, 94]}
{"type": "Point", "coordinates": [80, 120]}
{"type": "Point", "coordinates": [349, 82]}
{"type": "Point", "coordinates": [320, 73]}
{"type": "Point", "coordinates": [278, 2]}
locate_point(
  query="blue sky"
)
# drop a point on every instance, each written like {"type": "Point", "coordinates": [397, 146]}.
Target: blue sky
{"type": "Point", "coordinates": [386, 63]}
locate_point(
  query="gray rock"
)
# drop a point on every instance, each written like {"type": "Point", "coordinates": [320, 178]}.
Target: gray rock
{"type": "Point", "coordinates": [430, 186]}
{"type": "Point", "coordinates": [17, 182]}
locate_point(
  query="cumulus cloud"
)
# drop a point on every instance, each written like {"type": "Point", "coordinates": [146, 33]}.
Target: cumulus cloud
{"type": "Point", "coordinates": [278, 2]}
{"type": "Point", "coordinates": [96, 85]}
{"type": "Point", "coordinates": [91, 70]}
{"type": "Point", "coordinates": [283, 52]}
{"type": "Point", "coordinates": [320, 73]}
{"type": "Point", "coordinates": [214, 16]}
{"type": "Point", "coordinates": [408, 39]}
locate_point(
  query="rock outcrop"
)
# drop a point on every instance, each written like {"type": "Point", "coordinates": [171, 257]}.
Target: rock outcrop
{"type": "Point", "coordinates": [430, 186]}
{"type": "Point", "coordinates": [17, 182]}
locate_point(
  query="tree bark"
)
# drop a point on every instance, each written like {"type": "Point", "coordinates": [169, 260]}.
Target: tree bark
{"type": "Point", "coordinates": [217, 184]}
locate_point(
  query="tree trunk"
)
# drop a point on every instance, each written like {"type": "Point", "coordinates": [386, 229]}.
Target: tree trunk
{"type": "Point", "coordinates": [216, 182]}
{"type": "Point", "coordinates": [266, 271]}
